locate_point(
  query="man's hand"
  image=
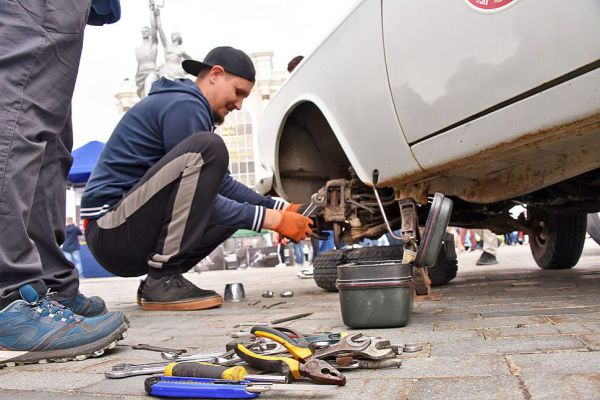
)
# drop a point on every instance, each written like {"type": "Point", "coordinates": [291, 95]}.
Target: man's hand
{"type": "Point", "coordinates": [288, 224]}
{"type": "Point", "coordinates": [293, 207]}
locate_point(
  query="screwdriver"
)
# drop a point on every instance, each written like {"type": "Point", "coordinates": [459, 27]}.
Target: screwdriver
{"type": "Point", "coordinates": [207, 370]}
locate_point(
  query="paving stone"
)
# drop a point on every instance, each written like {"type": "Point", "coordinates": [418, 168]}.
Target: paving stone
{"type": "Point", "coordinates": [505, 388]}
{"type": "Point", "coordinates": [497, 322]}
{"type": "Point", "coordinates": [33, 395]}
{"type": "Point", "coordinates": [567, 386]}
{"type": "Point", "coordinates": [510, 346]}
{"type": "Point", "coordinates": [132, 386]}
{"type": "Point", "coordinates": [532, 330]}
{"type": "Point", "coordinates": [584, 362]}
{"type": "Point", "coordinates": [591, 341]}
{"type": "Point", "coordinates": [53, 381]}
{"type": "Point", "coordinates": [440, 367]}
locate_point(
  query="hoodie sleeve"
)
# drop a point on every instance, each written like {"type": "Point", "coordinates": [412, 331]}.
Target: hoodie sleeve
{"type": "Point", "coordinates": [237, 191]}
{"type": "Point", "coordinates": [181, 119]}
{"type": "Point", "coordinates": [230, 213]}
{"type": "Point", "coordinates": [104, 12]}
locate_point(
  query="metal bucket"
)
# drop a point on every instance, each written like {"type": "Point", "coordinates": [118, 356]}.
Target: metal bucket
{"type": "Point", "coordinates": [375, 294]}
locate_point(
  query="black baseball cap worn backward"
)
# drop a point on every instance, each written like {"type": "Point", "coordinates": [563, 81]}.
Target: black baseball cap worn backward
{"type": "Point", "coordinates": [232, 60]}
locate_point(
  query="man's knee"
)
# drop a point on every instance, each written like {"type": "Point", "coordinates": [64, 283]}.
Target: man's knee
{"type": "Point", "coordinates": [210, 145]}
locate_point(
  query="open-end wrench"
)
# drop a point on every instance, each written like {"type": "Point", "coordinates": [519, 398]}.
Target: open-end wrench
{"type": "Point", "coordinates": [378, 349]}
{"type": "Point", "coordinates": [316, 201]}
{"type": "Point", "coordinates": [347, 344]}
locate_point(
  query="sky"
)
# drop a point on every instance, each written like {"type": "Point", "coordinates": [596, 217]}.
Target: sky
{"type": "Point", "coordinates": [285, 27]}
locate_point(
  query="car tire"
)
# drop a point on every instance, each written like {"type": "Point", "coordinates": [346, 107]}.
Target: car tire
{"type": "Point", "coordinates": [593, 226]}
{"type": "Point", "coordinates": [557, 240]}
{"type": "Point", "coordinates": [446, 265]}
{"type": "Point", "coordinates": [325, 264]}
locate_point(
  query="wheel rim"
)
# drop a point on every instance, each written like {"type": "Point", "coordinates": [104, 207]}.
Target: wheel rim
{"type": "Point", "coordinates": [541, 233]}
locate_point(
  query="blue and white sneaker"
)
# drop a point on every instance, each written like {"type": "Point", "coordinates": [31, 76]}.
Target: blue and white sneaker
{"type": "Point", "coordinates": [42, 330]}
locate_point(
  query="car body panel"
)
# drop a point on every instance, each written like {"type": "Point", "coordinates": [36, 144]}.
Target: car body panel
{"type": "Point", "coordinates": [343, 77]}
{"type": "Point", "coordinates": [346, 78]}
{"type": "Point", "coordinates": [447, 62]}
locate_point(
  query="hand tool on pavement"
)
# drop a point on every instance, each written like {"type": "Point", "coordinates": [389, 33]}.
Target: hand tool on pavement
{"type": "Point", "coordinates": [378, 349]}
{"type": "Point", "coordinates": [229, 357]}
{"type": "Point", "coordinates": [149, 347]}
{"type": "Point", "coordinates": [312, 368]}
{"type": "Point", "coordinates": [196, 370]}
{"type": "Point", "coordinates": [290, 318]}
{"type": "Point", "coordinates": [217, 388]}
{"type": "Point", "coordinates": [219, 358]}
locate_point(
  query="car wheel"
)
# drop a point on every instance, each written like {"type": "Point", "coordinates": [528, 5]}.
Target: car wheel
{"type": "Point", "coordinates": [593, 226]}
{"type": "Point", "coordinates": [325, 264]}
{"type": "Point", "coordinates": [557, 240]}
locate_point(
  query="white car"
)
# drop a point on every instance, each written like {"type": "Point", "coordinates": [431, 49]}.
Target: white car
{"type": "Point", "coordinates": [493, 103]}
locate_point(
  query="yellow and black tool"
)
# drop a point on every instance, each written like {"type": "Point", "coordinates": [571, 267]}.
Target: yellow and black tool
{"type": "Point", "coordinates": [299, 348]}
{"type": "Point", "coordinates": [206, 370]}
{"type": "Point", "coordinates": [192, 369]}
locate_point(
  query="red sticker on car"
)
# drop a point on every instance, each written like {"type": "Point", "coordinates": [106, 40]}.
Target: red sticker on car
{"type": "Point", "coordinates": [489, 6]}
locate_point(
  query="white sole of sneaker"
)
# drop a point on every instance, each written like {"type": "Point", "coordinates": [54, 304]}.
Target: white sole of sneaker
{"type": "Point", "coordinates": [13, 358]}
{"type": "Point", "coordinates": [183, 305]}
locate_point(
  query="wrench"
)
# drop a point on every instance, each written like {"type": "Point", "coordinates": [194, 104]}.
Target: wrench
{"type": "Point", "coordinates": [378, 349]}
{"type": "Point", "coordinates": [347, 344]}
{"type": "Point", "coordinates": [316, 201]}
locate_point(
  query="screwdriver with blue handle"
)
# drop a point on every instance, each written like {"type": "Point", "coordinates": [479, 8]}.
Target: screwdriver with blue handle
{"type": "Point", "coordinates": [206, 388]}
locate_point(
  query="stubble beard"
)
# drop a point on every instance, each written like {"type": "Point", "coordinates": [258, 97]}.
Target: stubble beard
{"type": "Point", "coordinates": [218, 118]}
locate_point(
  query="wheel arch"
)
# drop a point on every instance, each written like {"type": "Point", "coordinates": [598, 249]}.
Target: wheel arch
{"type": "Point", "coordinates": [308, 152]}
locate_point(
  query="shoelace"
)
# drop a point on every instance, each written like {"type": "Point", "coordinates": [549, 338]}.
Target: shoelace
{"type": "Point", "coordinates": [47, 307]}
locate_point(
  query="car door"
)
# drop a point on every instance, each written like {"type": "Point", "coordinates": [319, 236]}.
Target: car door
{"type": "Point", "coordinates": [455, 60]}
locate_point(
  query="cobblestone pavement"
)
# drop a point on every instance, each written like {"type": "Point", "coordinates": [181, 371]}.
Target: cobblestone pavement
{"type": "Point", "coordinates": [510, 331]}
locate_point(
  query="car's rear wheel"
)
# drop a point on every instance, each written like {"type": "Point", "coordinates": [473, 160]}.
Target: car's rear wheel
{"type": "Point", "coordinates": [325, 264]}
{"type": "Point", "coordinates": [593, 226]}
{"type": "Point", "coordinates": [557, 239]}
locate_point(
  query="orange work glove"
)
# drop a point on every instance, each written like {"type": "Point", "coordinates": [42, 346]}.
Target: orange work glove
{"type": "Point", "coordinates": [294, 208]}
{"type": "Point", "coordinates": [294, 226]}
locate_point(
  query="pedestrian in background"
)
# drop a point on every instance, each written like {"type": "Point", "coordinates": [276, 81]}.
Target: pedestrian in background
{"type": "Point", "coordinates": [71, 245]}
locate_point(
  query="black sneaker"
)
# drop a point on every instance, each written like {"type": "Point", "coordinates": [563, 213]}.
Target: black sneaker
{"type": "Point", "coordinates": [487, 259]}
{"type": "Point", "coordinates": [175, 293]}
{"type": "Point", "coordinates": [85, 306]}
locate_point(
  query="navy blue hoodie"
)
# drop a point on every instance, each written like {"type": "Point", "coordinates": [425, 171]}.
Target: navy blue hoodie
{"type": "Point", "coordinates": [172, 111]}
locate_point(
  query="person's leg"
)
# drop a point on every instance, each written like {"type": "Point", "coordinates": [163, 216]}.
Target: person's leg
{"type": "Point", "coordinates": [39, 59]}
{"type": "Point", "coordinates": [40, 47]}
{"type": "Point", "coordinates": [298, 251]}
{"type": "Point", "coordinates": [490, 246]}
{"type": "Point", "coordinates": [161, 226]}
{"type": "Point", "coordinates": [77, 262]}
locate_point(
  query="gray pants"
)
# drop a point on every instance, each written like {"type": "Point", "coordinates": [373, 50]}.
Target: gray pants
{"type": "Point", "coordinates": [40, 48]}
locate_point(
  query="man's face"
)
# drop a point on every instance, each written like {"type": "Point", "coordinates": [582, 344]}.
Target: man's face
{"type": "Point", "coordinates": [145, 32]}
{"type": "Point", "coordinates": [229, 93]}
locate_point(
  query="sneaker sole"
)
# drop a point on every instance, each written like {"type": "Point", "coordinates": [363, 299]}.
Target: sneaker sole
{"type": "Point", "coordinates": [96, 349]}
{"type": "Point", "coordinates": [183, 305]}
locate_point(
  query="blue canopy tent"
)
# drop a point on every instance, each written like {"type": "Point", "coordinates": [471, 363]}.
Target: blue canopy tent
{"type": "Point", "coordinates": [84, 160]}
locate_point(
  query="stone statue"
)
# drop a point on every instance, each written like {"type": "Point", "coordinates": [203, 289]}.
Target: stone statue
{"type": "Point", "coordinates": [174, 55]}
{"type": "Point", "coordinates": [146, 53]}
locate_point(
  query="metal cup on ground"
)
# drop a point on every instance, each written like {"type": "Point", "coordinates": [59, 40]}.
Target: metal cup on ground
{"type": "Point", "coordinates": [234, 292]}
